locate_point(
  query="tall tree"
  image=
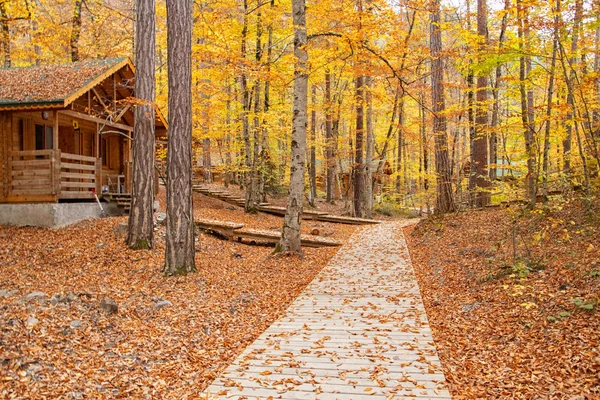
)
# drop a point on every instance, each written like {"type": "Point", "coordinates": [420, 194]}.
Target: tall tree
{"type": "Point", "coordinates": [5, 35]}
{"type": "Point", "coordinates": [329, 138]}
{"type": "Point", "coordinates": [179, 250]}
{"type": "Point", "coordinates": [369, 150]}
{"type": "Point", "coordinates": [75, 30]}
{"type": "Point", "coordinates": [141, 227]}
{"type": "Point", "coordinates": [312, 173]}
{"type": "Point", "coordinates": [359, 162]}
{"type": "Point", "coordinates": [480, 153]}
{"type": "Point", "coordinates": [290, 236]}
{"type": "Point", "coordinates": [444, 198]}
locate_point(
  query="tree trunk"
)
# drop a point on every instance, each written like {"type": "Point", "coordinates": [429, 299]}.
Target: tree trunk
{"type": "Point", "coordinates": [527, 131]}
{"type": "Point", "coordinates": [179, 249]}
{"type": "Point", "coordinates": [313, 151]}
{"type": "Point", "coordinates": [5, 35]}
{"type": "Point", "coordinates": [206, 159]}
{"type": "Point", "coordinates": [359, 162]}
{"type": "Point", "coordinates": [444, 199]}
{"type": "Point", "coordinates": [75, 30]}
{"type": "Point", "coordinates": [369, 153]}
{"type": "Point", "coordinates": [329, 145]}
{"type": "Point", "coordinates": [570, 96]}
{"type": "Point", "coordinates": [480, 150]}
{"type": "Point", "coordinates": [550, 93]}
{"type": "Point", "coordinates": [227, 177]}
{"type": "Point", "coordinates": [495, 92]}
{"type": "Point", "coordinates": [141, 226]}
{"type": "Point", "coordinates": [290, 235]}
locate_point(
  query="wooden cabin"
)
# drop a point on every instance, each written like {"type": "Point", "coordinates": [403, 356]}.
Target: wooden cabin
{"type": "Point", "coordinates": [66, 130]}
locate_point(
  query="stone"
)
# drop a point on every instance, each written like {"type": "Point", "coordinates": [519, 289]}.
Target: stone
{"type": "Point", "coordinates": [8, 293]}
{"type": "Point", "coordinates": [162, 304]}
{"type": "Point", "coordinates": [31, 322]}
{"type": "Point", "coordinates": [156, 206]}
{"type": "Point", "coordinates": [100, 245]}
{"type": "Point", "coordinates": [122, 228]}
{"type": "Point", "coordinates": [161, 218]}
{"type": "Point", "coordinates": [109, 306]}
{"type": "Point", "coordinates": [36, 296]}
{"type": "Point", "coordinates": [76, 324]}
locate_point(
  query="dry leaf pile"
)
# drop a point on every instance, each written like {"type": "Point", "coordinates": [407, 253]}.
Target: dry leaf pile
{"type": "Point", "coordinates": [526, 330]}
{"type": "Point", "coordinates": [169, 338]}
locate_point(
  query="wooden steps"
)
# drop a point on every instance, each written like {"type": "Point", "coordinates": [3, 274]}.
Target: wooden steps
{"type": "Point", "coordinates": [123, 200]}
{"type": "Point", "coordinates": [236, 231]}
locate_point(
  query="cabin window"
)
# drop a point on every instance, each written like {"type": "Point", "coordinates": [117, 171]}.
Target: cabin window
{"type": "Point", "coordinates": [44, 137]}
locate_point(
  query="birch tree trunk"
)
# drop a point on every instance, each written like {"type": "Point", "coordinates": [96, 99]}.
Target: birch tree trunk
{"type": "Point", "coordinates": [290, 236]}
{"type": "Point", "coordinates": [444, 198]}
{"type": "Point", "coordinates": [179, 249]}
{"type": "Point", "coordinates": [75, 30]}
{"type": "Point", "coordinates": [141, 226]}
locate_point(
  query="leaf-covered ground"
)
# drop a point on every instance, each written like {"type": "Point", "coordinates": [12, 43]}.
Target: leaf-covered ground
{"type": "Point", "coordinates": [526, 328]}
{"type": "Point", "coordinates": [170, 337]}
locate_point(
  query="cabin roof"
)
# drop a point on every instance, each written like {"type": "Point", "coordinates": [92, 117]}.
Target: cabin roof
{"type": "Point", "coordinates": [57, 86]}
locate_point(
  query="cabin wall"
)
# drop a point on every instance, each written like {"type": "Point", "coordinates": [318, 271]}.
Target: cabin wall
{"type": "Point", "coordinates": [5, 142]}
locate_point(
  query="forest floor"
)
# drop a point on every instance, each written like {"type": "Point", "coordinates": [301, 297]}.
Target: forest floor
{"type": "Point", "coordinates": [523, 327]}
{"type": "Point", "coordinates": [170, 337]}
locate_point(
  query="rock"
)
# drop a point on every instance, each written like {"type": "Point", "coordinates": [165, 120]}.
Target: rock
{"type": "Point", "coordinates": [31, 322]}
{"type": "Point", "coordinates": [59, 299]}
{"type": "Point", "coordinates": [100, 245]}
{"type": "Point", "coordinates": [33, 369]}
{"type": "Point", "coordinates": [237, 255]}
{"type": "Point", "coordinates": [122, 228]}
{"type": "Point", "coordinates": [36, 296]}
{"type": "Point", "coordinates": [76, 395]}
{"type": "Point", "coordinates": [109, 306]}
{"type": "Point", "coordinates": [76, 324]}
{"type": "Point", "coordinates": [8, 293]}
{"type": "Point", "coordinates": [156, 206]}
{"type": "Point", "coordinates": [470, 307]}
{"type": "Point", "coordinates": [161, 218]}
{"type": "Point", "coordinates": [162, 304]}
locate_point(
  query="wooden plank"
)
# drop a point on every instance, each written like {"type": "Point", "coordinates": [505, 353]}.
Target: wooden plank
{"type": "Point", "coordinates": [78, 157]}
{"type": "Point", "coordinates": [76, 175]}
{"type": "Point", "coordinates": [21, 183]}
{"type": "Point", "coordinates": [24, 192]}
{"type": "Point", "coordinates": [85, 167]}
{"type": "Point", "coordinates": [275, 236]}
{"type": "Point", "coordinates": [85, 117]}
{"type": "Point", "coordinates": [30, 198]}
{"type": "Point", "coordinates": [16, 174]}
{"type": "Point", "coordinates": [31, 164]}
{"type": "Point", "coordinates": [30, 153]}
{"type": "Point", "coordinates": [87, 185]}
{"type": "Point", "coordinates": [75, 195]}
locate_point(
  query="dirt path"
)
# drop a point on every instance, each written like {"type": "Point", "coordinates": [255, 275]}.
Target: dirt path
{"type": "Point", "coordinates": [359, 330]}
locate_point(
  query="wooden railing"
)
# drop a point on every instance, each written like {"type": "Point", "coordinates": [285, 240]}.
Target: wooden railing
{"type": "Point", "coordinates": [31, 172]}
{"type": "Point", "coordinates": [54, 173]}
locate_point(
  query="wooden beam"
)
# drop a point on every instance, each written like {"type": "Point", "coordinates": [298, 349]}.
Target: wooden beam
{"type": "Point", "coordinates": [90, 118]}
{"type": "Point", "coordinates": [100, 100]}
{"type": "Point", "coordinates": [122, 112]}
{"type": "Point", "coordinates": [55, 132]}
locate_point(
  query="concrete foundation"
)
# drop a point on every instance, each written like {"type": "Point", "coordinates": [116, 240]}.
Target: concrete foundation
{"type": "Point", "coordinates": [52, 215]}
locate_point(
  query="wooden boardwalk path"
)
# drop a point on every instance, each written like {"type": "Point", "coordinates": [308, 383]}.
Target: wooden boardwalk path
{"type": "Point", "coordinates": [358, 331]}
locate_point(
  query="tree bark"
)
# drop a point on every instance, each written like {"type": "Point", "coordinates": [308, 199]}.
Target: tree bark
{"type": "Point", "coordinates": [290, 235]}
{"type": "Point", "coordinates": [527, 131]}
{"type": "Point", "coordinates": [480, 150]}
{"type": "Point", "coordinates": [75, 30]}
{"type": "Point", "coordinates": [180, 241]}
{"type": "Point", "coordinates": [329, 138]}
{"type": "Point", "coordinates": [444, 198]}
{"type": "Point", "coordinates": [5, 35]}
{"type": "Point", "coordinates": [369, 150]}
{"type": "Point", "coordinates": [313, 150]}
{"type": "Point", "coordinates": [359, 162]}
{"type": "Point", "coordinates": [570, 96]}
{"type": "Point", "coordinates": [141, 226]}
{"type": "Point", "coordinates": [550, 94]}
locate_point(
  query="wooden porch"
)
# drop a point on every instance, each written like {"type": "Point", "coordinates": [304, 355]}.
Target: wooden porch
{"type": "Point", "coordinates": [52, 175]}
